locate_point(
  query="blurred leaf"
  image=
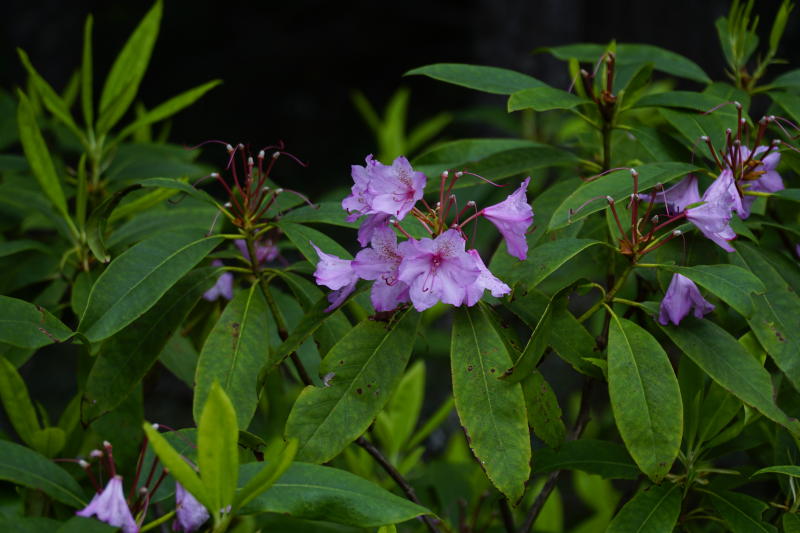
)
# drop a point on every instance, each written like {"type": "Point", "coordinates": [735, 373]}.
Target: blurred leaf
{"type": "Point", "coordinates": [544, 413]}
{"type": "Point", "coordinates": [367, 363]}
{"type": "Point", "coordinates": [681, 99]}
{"type": "Point", "coordinates": [789, 79]}
{"type": "Point", "coordinates": [491, 411]}
{"type": "Point", "coordinates": [27, 325]}
{"type": "Point", "coordinates": [452, 154]}
{"type": "Point", "coordinates": [323, 493]}
{"type": "Point", "coordinates": [645, 397]}
{"type": "Point", "coordinates": [128, 69]}
{"type": "Point", "coordinates": [323, 212]}
{"type": "Point", "coordinates": [234, 353]}
{"type": "Point", "coordinates": [217, 454]}
{"type": "Point", "coordinates": [790, 523]}
{"type": "Point", "coordinates": [606, 459]}
{"type": "Point", "coordinates": [741, 513]}
{"type": "Point", "coordinates": [481, 78]}
{"type": "Point", "coordinates": [22, 466]}
{"type": "Point", "coordinates": [401, 413]}
{"type": "Point", "coordinates": [544, 99]}
{"type": "Point", "coordinates": [87, 83]}
{"type": "Point", "coordinates": [789, 470]}
{"type": "Point", "coordinates": [662, 60]}
{"type": "Point", "coordinates": [653, 510]}
{"type": "Point", "coordinates": [138, 278]}
{"type": "Point", "coordinates": [727, 362]}
{"type": "Point", "coordinates": [49, 441]}
{"type": "Point", "coordinates": [16, 402]}
{"type": "Point", "coordinates": [589, 197]}
{"type": "Point", "coordinates": [51, 99]}
{"type": "Point", "coordinates": [177, 465]}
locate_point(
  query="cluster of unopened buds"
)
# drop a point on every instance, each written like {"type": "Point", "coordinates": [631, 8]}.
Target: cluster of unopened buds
{"type": "Point", "coordinates": [110, 505]}
{"type": "Point", "coordinates": [437, 268]}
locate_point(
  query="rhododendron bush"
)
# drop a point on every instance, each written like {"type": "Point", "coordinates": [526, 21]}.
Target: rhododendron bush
{"type": "Point", "coordinates": [591, 327]}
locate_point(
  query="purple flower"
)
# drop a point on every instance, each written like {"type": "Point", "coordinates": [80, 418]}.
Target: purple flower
{"type": "Point", "coordinates": [380, 263]}
{"type": "Point", "coordinates": [713, 217]}
{"type": "Point", "coordinates": [485, 280]}
{"type": "Point", "coordinates": [436, 269]}
{"type": "Point", "coordinates": [110, 507]}
{"type": "Point", "coordinates": [680, 196]}
{"type": "Point", "coordinates": [189, 513]}
{"type": "Point", "coordinates": [682, 294]}
{"type": "Point", "coordinates": [512, 217]}
{"type": "Point", "coordinates": [769, 180]}
{"type": "Point", "coordinates": [381, 192]}
{"type": "Point", "coordinates": [265, 252]}
{"type": "Point", "coordinates": [223, 287]}
{"type": "Point", "coordinates": [337, 274]}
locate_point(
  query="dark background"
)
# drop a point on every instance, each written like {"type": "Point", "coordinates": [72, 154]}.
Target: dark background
{"type": "Point", "coordinates": [288, 68]}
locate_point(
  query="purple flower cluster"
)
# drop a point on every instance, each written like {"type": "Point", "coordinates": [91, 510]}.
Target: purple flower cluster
{"type": "Point", "coordinates": [422, 271]}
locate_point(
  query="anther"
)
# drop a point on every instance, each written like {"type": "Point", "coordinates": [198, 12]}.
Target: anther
{"type": "Point", "coordinates": [610, 200]}
{"type": "Point", "coordinates": [215, 175]}
{"type": "Point", "coordinates": [459, 174]}
{"type": "Point", "coordinates": [95, 454]}
{"type": "Point", "coordinates": [106, 444]}
{"type": "Point", "coordinates": [471, 203]}
{"type": "Point", "coordinates": [240, 146]}
{"type": "Point", "coordinates": [228, 205]}
{"type": "Point", "coordinates": [704, 138]}
{"type": "Point", "coordinates": [83, 464]}
{"type": "Point", "coordinates": [634, 173]}
{"type": "Point", "coordinates": [261, 154]}
{"type": "Point", "coordinates": [677, 232]}
{"type": "Point", "coordinates": [155, 426]}
{"type": "Point", "coordinates": [276, 155]}
{"type": "Point", "coordinates": [445, 174]}
{"type": "Point", "coordinates": [229, 148]}
{"type": "Point", "coordinates": [278, 191]}
{"type": "Point", "coordinates": [738, 105]}
{"type": "Point", "coordinates": [250, 161]}
{"type": "Point", "coordinates": [654, 220]}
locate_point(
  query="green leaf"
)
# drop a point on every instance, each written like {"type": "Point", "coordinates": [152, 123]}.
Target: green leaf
{"type": "Point", "coordinates": [618, 185]}
{"type": "Point", "coordinates": [681, 99]}
{"type": "Point", "coordinates": [516, 161]}
{"type": "Point", "coordinates": [527, 361]}
{"type": "Point", "coordinates": [487, 79]}
{"type": "Point", "coordinates": [127, 356]}
{"type": "Point", "coordinates": [544, 413]}
{"type": "Point", "coordinates": [788, 79]}
{"type": "Point", "coordinates": [138, 278]}
{"type": "Point", "coordinates": [169, 108]}
{"type": "Point", "coordinates": [39, 156]}
{"type": "Point", "coordinates": [266, 476]}
{"type": "Point", "coordinates": [79, 524]}
{"type": "Point", "coordinates": [98, 219]}
{"type": "Point", "coordinates": [234, 353]}
{"type": "Point", "coordinates": [455, 154]}
{"type": "Point", "coordinates": [396, 423]}
{"type": "Point", "coordinates": [26, 325]}
{"type": "Point", "coordinates": [645, 397]}
{"type": "Point", "coordinates": [87, 92]}
{"type": "Point", "coordinates": [653, 510]}
{"type": "Point", "coordinates": [729, 364]}
{"type": "Point", "coordinates": [572, 342]}
{"type": "Point", "coordinates": [789, 102]}
{"type": "Point", "coordinates": [179, 185]}
{"type": "Point", "coordinates": [366, 365]}
{"type": "Point", "coordinates": [51, 99]}
{"type": "Point", "coordinates": [321, 213]}
{"type": "Point", "coordinates": [302, 236]}
{"type": "Point", "coordinates": [544, 99]}
{"type": "Point", "coordinates": [790, 523]}
{"type": "Point", "coordinates": [730, 283]}
{"type": "Point", "coordinates": [177, 466]}
{"type": "Point", "coordinates": [606, 459]}
{"type": "Point", "coordinates": [492, 411]}
{"type": "Point", "coordinates": [49, 441]}
{"type": "Point", "coordinates": [217, 453]}
{"type": "Point", "coordinates": [789, 470]}
{"type": "Point", "coordinates": [742, 513]}
{"type": "Point", "coordinates": [23, 466]}
{"type": "Point", "coordinates": [128, 69]}
{"type": "Point", "coordinates": [323, 493]}
{"type": "Point", "coordinates": [16, 402]}
{"type": "Point", "coordinates": [541, 262]}
{"type": "Point", "coordinates": [662, 60]}
{"type": "Point", "coordinates": [692, 125]}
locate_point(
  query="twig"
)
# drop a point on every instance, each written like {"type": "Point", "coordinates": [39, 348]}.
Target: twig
{"type": "Point", "coordinates": [397, 477]}
{"type": "Point", "coordinates": [552, 479]}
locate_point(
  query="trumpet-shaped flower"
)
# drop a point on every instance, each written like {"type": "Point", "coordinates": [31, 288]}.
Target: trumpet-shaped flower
{"type": "Point", "coordinates": [680, 196]}
{"type": "Point", "coordinates": [485, 280]}
{"type": "Point", "coordinates": [437, 269]}
{"type": "Point", "coordinates": [380, 263]}
{"type": "Point", "coordinates": [513, 217]}
{"type": "Point", "coordinates": [110, 507]}
{"type": "Point", "coordinates": [189, 513]}
{"type": "Point", "coordinates": [713, 217]}
{"type": "Point", "coordinates": [682, 294]}
{"type": "Point", "coordinates": [265, 251]}
{"type": "Point", "coordinates": [337, 274]}
{"type": "Point", "coordinates": [769, 180]}
{"type": "Point", "coordinates": [223, 287]}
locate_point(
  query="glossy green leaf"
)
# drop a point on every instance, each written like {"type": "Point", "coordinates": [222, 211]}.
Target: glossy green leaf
{"type": "Point", "coordinates": [127, 356]}
{"type": "Point", "coordinates": [693, 124]}
{"type": "Point", "coordinates": [618, 185]}
{"type": "Point", "coordinates": [98, 219]}
{"type": "Point", "coordinates": [23, 466]}
{"type": "Point", "coordinates": [572, 342]}
{"type": "Point", "coordinates": [323, 212]}
{"type": "Point", "coordinates": [606, 459]}
{"type": "Point", "coordinates": [234, 353]}
{"type": "Point", "coordinates": [26, 325]}
{"type": "Point", "coordinates": [681, 99]}
{"type": "Point", "coordinates": [728, 363]}
{"type": "Point", "coordinates": [544, 413]}
{"type": "Point", "coordinates": [54, 103]}
{"type": "Point", "coordinates": [301, 236]}
{"type": "Point", "coordinates": [544, 99]}
{"type": "Point", "coordinates": [541, 262]}
{"type": "Point", "coordinates": [128, 69]}
{"type": "Point", "coordinates": [178, 185]}
{"type": "Point", "coordinates": [22, 245]}
{"type": "Point", "coordinates": [39, 156]}
{"type": "Point", "coordinates": [525, 364]}
{"type": "Point", "coordinates": [266, 477]}
{"type": "Point", "coordinates": [363, 369]}
{"type": "Point", "coordinates": [742, 513]}
{"type": "Point", "coordinates": [177, 465]}
{"type": "Point", "coordinates": [149, 223]}
{"type": "Point", "coordinates": [653, 510]}
{"type": "Point", "coordinates": [492, 411]}
{"type": "Point", "coordinates": [733, 285]}
{"type": "Point", "coordinates": [318, 492]}
{"type": "Point", "coordinates": [455, 154]}
{"type": "Point", "coordinates": [516, 161]}
{"type": "Point", "coordinates": [481, 78]}
{"type": "Point", "coordinates": [138, 278]}
{"type": "Point", "coordinates": [789, 102]}
{"type": "Point", "coordinates": [662, 60]}
{"type": "Point", "coordinates": [170, 107]}
{"type": "Point", "coordinates": [217, 453]}
{"type": "Point", "coordinates": [645, 397]}
{"type": "Point", "coordinates": [789, 470]}
{"type": "Point", "coordinates": [17, 403]}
